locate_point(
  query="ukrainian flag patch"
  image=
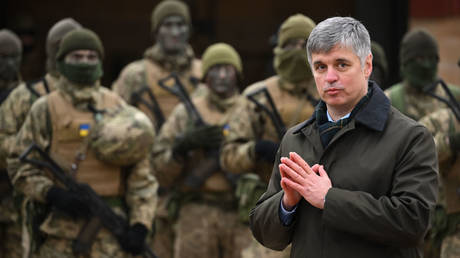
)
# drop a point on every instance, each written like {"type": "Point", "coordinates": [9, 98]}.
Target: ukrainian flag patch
{"type": "Point", "coordinates": [84, 130]}
{"type": "Point", "coordinates": [226, 130]}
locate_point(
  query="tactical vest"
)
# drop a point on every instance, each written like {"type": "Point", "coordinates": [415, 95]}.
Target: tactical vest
{"type": "Point", "coordinates": [42, 87]}
{"type": "Point", "coordinates": [67, 124]}
{"type": "Point", "coordinates": [293, 109]}
{"type": "Point", "coordinates": [166, 100]}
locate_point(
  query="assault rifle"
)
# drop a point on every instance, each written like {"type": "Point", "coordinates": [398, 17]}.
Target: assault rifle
{"type": "Point", "coordinates": [271, 110]}
{"type": "Point", "coordinates": [197, 176]}
{"type": "Point", "coordinates": [101, 213]}
{"type": "Point", "coordinates": [451, 102]}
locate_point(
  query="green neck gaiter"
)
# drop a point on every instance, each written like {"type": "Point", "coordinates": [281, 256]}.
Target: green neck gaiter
{"type": "Point", "coordinates": [292, 65]}
{"type": "Point", "coordinates": [420, 74]}
{"type": "Point", "coordinates": [84, 74]}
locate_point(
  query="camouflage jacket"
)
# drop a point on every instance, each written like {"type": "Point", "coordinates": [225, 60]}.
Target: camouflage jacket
{"type": "Point", "coordinates": [141, 185]}
{"type": "Point", "coordinates": [442, 123]}
{"type": "Point", "coordinates": [249, 123]}
{"type": "Point", "coordinates": [171, 170]}
{"type": "Point", "coordinates": [146, 72]}
{"type": "Point", "coordinates": [416, 104]}
{"type": "Point", "coordinates": [14, 110]}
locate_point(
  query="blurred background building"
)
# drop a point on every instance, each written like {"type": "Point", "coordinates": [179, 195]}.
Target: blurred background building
{"type": "Point", "coordinates": [250, 26]}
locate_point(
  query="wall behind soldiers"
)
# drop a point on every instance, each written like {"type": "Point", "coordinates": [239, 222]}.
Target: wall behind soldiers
{"type": "Point", "coordinates": [248, 25]}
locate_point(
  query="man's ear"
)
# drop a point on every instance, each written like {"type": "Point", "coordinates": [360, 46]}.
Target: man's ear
{"type": "Point", "coordinates": [368, 66]}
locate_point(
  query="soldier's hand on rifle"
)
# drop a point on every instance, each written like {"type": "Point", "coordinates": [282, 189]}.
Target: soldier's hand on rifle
{"type": "Point", "coordinates": [68, 202]}
{"type": "Point", "coordinates": [133, 241]}
{"type": "Point", "coordinates": [266, 150]}
{"type": "Point", "coordinates": [454, 140]}
{"type": "Point", "coordinates": [206, 137]}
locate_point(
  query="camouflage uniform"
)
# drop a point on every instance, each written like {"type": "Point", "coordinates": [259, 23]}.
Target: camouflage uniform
{"type": "Point", "coordinates": [10, 230]}
{"type": "Point", "coordinates": [157, 65]}
{"type": "Point", "coordinates": [207, 218]}
{"type": "Point", "coordinates": [144, 74]}
{"type": "Point", "coordinates": [141, 186]}
{"type": "Point", "coordinates": [441, 124]}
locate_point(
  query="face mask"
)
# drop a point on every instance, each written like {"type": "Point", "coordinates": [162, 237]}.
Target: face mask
{"type": "Point", "coordinates": [292, 65]}
{"type": "Point", "coordinates": [84, 74]}
{"type": "Point", "coordinates": [420, 73]}
{"type": "Point", "coordinates": [9, 67]}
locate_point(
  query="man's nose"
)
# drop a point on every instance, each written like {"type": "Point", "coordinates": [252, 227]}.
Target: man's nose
{"type": "Point", "coordinates": [331, 75]}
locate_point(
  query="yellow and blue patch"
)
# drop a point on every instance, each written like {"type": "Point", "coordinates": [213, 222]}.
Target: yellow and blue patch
{"type": "Point", "coordinates": [84, 130]}
{"type": "Point", "coordinates": [226, 130]}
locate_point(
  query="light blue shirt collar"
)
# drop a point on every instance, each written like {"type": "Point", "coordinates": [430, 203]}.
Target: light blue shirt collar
{"type": "Point", "coordinates": [329, 118]}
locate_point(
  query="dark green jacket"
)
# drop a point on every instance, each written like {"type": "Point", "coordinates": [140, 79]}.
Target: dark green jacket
{"type": "Point", "coordinates": [383, 169]}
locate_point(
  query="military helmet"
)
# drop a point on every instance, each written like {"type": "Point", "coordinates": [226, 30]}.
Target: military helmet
{"type": "Point", "coordinates": [122, 136]}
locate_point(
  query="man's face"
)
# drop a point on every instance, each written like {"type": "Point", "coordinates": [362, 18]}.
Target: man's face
{"type": "Point", "coordinates": [340, 80]}
{"type": "Point", "coordinates": [222, 80]}
{"type": "Point", "coordinates": [173, 34]}
{"type": "Point", "coordinates": [82, 57]}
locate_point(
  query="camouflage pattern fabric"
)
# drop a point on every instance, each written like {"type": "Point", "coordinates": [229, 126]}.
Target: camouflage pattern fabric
{"type": "Point", "coordinates": [141, 185]}
{"type": "Point", "coordinates": [13, 113]}
{"type": "Point", "coordinates": [206, 231]}
{"type": "Point", "coordinates": [157, 65]}
{"type": "Point", "coordinates": [417, 104]}
{"type": "Point", "coordinates": [446, 229]}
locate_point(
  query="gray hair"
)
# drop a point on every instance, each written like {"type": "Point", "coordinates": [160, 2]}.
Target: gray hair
{"type": "Point", "coordinates": [341, 31]}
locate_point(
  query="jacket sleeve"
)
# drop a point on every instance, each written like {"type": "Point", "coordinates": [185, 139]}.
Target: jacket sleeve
{"type": "Point", "coordinates": [238, 151]}
{"type": "Point", "coordinates": [141, 193]}
{"type": "Point", "coordinates": [265, 222]}
{"type": "Point", "coordinates": [131, 79]}
{"type": "Point", "coordinates": [26, 178]}
{"type": "Point", "coordinates": [13, 112]}
{"type": "Point", "coordinates": [400, 218]}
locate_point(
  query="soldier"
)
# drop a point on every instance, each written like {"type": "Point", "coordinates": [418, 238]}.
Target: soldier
{"type": "Point", "coordinates": [10, 230]}
{"type": "Point", "coordinates": [138, 85]}
{"type": "Point", "coordinates": [186, 159]}
{"type": "Point", "coordinates": [419, 94]}
{"type": "Point", "coordinates": [445, 127]}
{"type": "Point", "coordinates": [171, 53]}
{"type": "Point", "coordinates": [73, 125]}
{"type": "Point", "coordinates": [419, 60]}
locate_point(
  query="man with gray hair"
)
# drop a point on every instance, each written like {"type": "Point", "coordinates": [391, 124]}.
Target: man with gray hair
{"type": "Point", "coordinates": [353, 201]}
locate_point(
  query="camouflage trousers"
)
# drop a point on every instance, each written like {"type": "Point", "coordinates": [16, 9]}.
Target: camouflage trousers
{"type": "Point", "coordinates": [256, 250]}
{"type": "Point", "coordinates": [450, 247]}
{"type": "Point", "coordinates": [105, 246]}
{"type": "Point", "coordinates": [163, 239]}
{"type": "Point", "coordinates": [207, 231]}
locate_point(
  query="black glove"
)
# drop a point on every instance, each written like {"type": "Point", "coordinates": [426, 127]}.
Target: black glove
{"type": "Point", "coordinates": [454, 140]}
{"type": "Point", "coordinates": [206, 137]}
{"type": "Point", "coordinates": [266, 150]}
{"type": "Point", "coordinates": [133, 241]}
{"type": "Point", "coordinates": [68, 202]}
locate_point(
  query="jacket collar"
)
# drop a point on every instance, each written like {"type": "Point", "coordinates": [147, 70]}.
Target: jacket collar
{"type": "Point", "coordinates": [373, 115]}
